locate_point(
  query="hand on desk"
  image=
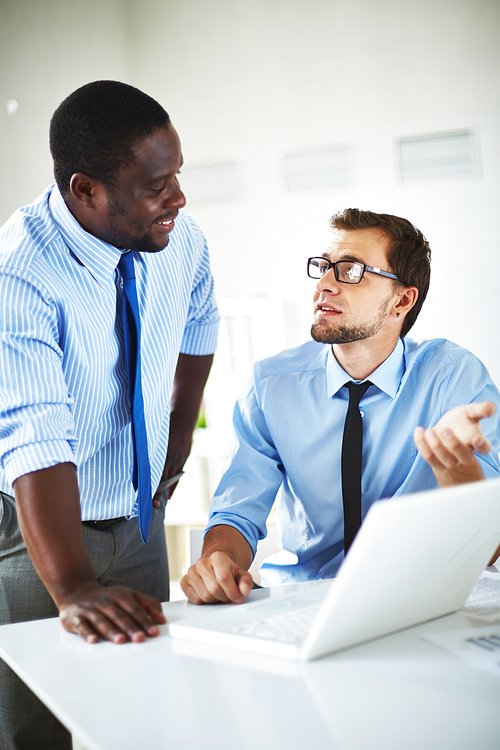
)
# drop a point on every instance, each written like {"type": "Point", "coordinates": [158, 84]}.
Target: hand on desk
{"type": "Point", "coordinates": [216, 578]}
{"type": "Point", "coordinates": [49, 512]}
{"type": "Point", "coordinates": [112, 613]}
{"type": "Point", "coordinates": [449, 446]}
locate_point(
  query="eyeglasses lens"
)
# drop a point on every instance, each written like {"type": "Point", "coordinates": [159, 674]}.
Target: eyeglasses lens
{"type": "Point", "coordinates": [317, 267]}
{"type": "Point", "coordinates": [348, 272]}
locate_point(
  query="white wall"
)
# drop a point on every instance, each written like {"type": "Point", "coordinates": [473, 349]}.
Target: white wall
{"type": "Point", "coordinates": [47, 49]}
{"type": "Point", "coordinates": [252, 80]}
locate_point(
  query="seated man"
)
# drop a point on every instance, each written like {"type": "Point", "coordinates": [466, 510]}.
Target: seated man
{"type": "Point", "coordinates": [421, 415]}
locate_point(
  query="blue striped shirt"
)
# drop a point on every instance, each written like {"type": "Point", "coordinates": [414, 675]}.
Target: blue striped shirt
{"type": "Point", "coordinates": [63, 378]}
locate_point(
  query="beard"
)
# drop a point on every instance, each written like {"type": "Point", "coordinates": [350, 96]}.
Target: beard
{"type": "Point", "coordinates": [141, 243]}
{"type": "Point", "coordinates": [141, 240]}
{"type": "Point", "coordinates": [347, 334]}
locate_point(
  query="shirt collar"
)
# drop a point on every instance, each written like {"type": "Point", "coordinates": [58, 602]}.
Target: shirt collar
{"type": "Point", "coordinates": [386, 377]}
{"type": "Point", "coordinates": [98, 257]}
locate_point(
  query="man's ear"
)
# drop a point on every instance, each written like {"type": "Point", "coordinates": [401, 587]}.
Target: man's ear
{"type": "Point", "coordinates": [406, 301]}
{"type": "Point", "coordinates": [84, 189]}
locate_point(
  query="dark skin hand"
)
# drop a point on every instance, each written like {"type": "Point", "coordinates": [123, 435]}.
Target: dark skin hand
{"type": "Point", "coordinates": [187, 390]}
{"type": "Point", "coordinates": [48, 506]}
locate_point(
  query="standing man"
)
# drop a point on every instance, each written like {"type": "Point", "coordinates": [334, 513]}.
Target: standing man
{"type": "Point", "coordinates": [101, 381]}
{"type": "Point", "coordinates": [291, 429]}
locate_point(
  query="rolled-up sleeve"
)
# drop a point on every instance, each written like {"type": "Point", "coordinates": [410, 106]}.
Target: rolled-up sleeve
{"type": "Point", "coordinates": [36, 425]}
{"type": "Point", "coordinates": [202, 323]}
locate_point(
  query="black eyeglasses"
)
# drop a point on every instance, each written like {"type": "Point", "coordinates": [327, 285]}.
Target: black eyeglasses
{"type": "Point", "coordinates": [346, 271]}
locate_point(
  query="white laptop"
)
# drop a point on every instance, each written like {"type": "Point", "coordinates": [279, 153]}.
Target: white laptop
{"type": "Point", "coordinates": [415, 558]}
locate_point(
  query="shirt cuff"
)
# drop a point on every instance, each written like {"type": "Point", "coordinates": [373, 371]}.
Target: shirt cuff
{"type": "Point", "coordinates": [200, 340]}
{"type": "Point", "coordinates": [36, 456]}
{"type": "Point", "coordinates": [244, 526]}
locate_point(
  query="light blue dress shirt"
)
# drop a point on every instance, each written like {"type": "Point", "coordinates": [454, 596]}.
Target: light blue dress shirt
{"type": "Point", "coordinates": [63, 378]}
{"type": "Point", "coordinates": [288, 436]}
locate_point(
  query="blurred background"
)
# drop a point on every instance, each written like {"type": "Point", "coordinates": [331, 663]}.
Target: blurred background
{"type": "Point", "coordinates": [288, 111]}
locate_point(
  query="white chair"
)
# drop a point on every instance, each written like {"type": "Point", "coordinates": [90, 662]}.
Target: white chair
{"type": "Point", "coordinates": [266, 547]}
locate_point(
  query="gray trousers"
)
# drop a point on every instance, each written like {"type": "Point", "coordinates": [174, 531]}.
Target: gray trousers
{"type": "Point", "coordinates": [118, 556]}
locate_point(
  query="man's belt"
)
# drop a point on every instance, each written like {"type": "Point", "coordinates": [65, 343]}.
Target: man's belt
{"type": "Point", "coordinates": [103, 525]}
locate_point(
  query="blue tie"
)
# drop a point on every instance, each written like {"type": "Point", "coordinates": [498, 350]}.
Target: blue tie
{"type": "Point", "coordinates": [132, 335]}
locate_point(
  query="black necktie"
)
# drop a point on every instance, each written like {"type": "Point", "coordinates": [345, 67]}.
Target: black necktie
{"type": "Point", "coordinates": [352, 448]}
{"type": "Point", "coordinates": [132, 334]}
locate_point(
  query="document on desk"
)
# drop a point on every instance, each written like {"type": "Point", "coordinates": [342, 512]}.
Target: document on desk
{"type": "Point", "coordinates": [484, 599]}
{"type": "Point", "coordinates": [480, 646]}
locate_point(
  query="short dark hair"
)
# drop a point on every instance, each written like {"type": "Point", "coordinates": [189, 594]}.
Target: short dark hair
{"type": "Point", "coordinates": [409, 254]}
{"type": "Point", "coordinates": [94, 129]}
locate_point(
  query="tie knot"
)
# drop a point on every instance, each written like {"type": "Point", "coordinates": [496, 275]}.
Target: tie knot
{"type": "Point", "coordinates": [126, 266]}
{"type": "Point", "coordinates": [357, 391]}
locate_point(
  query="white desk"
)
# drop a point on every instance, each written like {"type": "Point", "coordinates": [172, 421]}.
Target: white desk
{"type": "Point", "coordinates": [399, 692]}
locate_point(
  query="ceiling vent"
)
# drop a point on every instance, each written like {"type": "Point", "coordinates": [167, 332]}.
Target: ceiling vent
{"type": "Point", "coordinates": [438, 156]}
{"type": "Point", "coordinates": [327, 169]}
{"type": "Point", "coordinates": [212, 183]}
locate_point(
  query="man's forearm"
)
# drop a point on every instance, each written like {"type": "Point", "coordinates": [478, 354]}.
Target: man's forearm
{"type": "Point", "coordinates": [191, 375]}
{"type": "Point", "coordinates": [229, 540]}
{"type": "Point", "coordinates": [187, 390]}
{"type": "Point", "coordinates": [48, 507]}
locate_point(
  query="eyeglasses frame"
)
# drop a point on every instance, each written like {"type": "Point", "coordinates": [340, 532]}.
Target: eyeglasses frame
{"type": "Point", "coordinates": [370, 269]}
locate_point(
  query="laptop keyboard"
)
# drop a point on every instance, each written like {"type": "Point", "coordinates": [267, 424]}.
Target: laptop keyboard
{"type": "Point", "coordinates": [287, 627]}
